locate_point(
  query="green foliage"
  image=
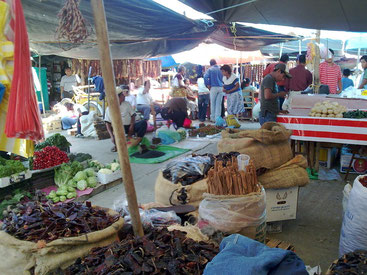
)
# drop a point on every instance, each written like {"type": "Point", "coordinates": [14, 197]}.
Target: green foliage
{"type": "Point", "coordinates": [57, 140]}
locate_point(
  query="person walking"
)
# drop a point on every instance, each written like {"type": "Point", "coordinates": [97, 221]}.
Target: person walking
{"type": "Point", "coordinates": [213, 80]}
{"type": "Point", "coordinates": [231, 87]}
{"type": "Point", "coordinates": [269, 103]}
{"type": "Point", "coordinates": [204, 97]}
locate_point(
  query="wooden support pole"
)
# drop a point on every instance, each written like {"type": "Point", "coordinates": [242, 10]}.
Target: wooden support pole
{"type": "Point", "coordinates": [316, 63]}
{"type": "Point", "coordinates": [317, 164]}
{"type": "Point", "coordinates": [113, 103]}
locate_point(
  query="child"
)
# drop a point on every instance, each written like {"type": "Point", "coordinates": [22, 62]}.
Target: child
{"type": "Point", "coordinates": [346, 82]}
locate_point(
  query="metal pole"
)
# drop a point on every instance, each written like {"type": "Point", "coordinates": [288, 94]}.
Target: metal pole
{"type": "Point", "coordinates": [316, 73]}
{"type": "Point", "coordinates": [41, 91]}
{"type": "Point", "coordinates": [113, 104]}
{"type": "Point", "coordinates": [89, 73]}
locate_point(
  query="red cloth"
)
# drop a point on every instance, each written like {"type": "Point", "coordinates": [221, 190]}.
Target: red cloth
{"type": "Point", "coordinates": [270, 68]}
{"type": "Point", "coordinates": [301, 79]}
{"type": "Point", "coordinates": [330, 75]}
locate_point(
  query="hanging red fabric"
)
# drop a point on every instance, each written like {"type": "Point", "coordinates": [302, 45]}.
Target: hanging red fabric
{"type": "Point", "coordinates": [23, 119]}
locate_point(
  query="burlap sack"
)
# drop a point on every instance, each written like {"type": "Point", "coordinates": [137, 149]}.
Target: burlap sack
{"type": "Point", "coordinates": [22, 256]}
{"type": "Point", "coordinates": [165, 189]}
{"type": "Point", "coordinates": [292, 173]}
{"type": "Point", "coordinates": [244, 215]}
{"type": "Point", "coordinates": [270, 133]}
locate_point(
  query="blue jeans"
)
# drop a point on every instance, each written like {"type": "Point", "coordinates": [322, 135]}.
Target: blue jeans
{"type": "Point", "coordinates": [145, 110]}
{"type": "Point", "coordinates": [267, 117]}
{"type": "Point", "coordinates": [67, 122]}
{"type": "Point", "coordinates": [216, 98]}
{"type": "Point", "coordinates": [203, 103]}
{"type": "Point", "coordinates": [281, 99]}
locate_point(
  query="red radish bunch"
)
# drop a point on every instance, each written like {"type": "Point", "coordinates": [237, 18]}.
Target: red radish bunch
{"type": "Point", "coordinates": [49, 156]}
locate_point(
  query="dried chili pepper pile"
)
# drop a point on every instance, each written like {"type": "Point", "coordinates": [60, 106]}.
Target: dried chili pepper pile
{"type": "Point", "coordinates": [351, 263]}
{"type": "Point", "coordinates": [37, 221]}
{"type": "Point", "coordinates": [363, 181]}
{"type": "Point", "coordinates": [158, 252]}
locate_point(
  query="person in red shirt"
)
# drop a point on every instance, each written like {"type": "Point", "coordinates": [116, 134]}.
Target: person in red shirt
{"type": "Point", "coordinates": [281, 84]}
{"type": "Point", "coordinates": [330, 74]}
{"type": "Point", "coordinates": [301, 77]}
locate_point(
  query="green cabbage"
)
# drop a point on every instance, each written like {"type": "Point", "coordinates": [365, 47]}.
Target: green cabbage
{"type": "Point", "coordinates": [71, 195]}
{"type": "Point", "coordinates": [52, 194]}
{"type": "Point", "coordinates": [92, 182]}
{"type": "Point", "coordinates": [62, 198]}
{"type": "Point", "coordinates": [81, 185]}
{"type": "Point", "coordinates": [71, 189]}
{"type": "Point", "coordinates": [81, 175]}
{"type": "Point", "coordinates": [90, 172]}
{"type": "Point", "coordinates": [61, 192]}
{"type": "Point", "coordinates": [56, 199]}
{"type": "Point", "coordinates": [105, 171]}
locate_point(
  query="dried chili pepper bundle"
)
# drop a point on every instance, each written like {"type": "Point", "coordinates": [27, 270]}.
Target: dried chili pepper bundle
{"type": "Point", "coordinates": [35, 221]}
{"type": "Point", "coordinates": [158, 252]}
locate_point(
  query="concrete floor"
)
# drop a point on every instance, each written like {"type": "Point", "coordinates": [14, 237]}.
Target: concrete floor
{"type": "Point", "coordinates": [315, 232]}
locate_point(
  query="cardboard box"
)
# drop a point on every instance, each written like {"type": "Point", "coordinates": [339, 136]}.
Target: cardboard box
{"type": "Point", "coordinates": [107, 178]}
{"type": "Point", "coordinates": [359, 165]}
{"type": "Point", "coordinates": [327, 157]}
{"type": "Point", "coordinates": [281, 204]}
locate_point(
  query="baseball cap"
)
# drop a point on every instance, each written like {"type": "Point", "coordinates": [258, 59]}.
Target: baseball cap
{"type": "Point", "coordinates": [282, 67]}
{"type": "Point", "coordinates": [118, 90]}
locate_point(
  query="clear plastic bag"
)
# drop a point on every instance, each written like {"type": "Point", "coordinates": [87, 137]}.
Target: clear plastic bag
{"type": "Point", "coordinates": [189, 167]}
{"type": "Point", "coordinates": [161, 219]}
{"type": "Point", "coordinates": [231, 214]}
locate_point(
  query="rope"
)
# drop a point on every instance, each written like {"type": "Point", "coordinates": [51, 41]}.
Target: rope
{"type": "Point", "coordinates": [234, 31]}
{"type": "Point", "coordinates": [230, 7]}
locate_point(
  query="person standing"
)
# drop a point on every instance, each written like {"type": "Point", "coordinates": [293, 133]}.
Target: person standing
{"type": "Point", "coordinates": [269, 103]}
{"type": "Point", "coordinates": [363, 84]}
{"type": "Point", "coordinates": [128, 119]}
{"type": "Point", "coordinates": [231, 87]}
{"type": "Point", "coordinates": [330, 74]}
{"type": "Point", "coordinates": [204, 97]}
{"type": "Point", "coordinates": [145, 103]}
{"type": "Point", "coordinates": [213, 80]}
{"type": "Point", "coordinates": [301, 77]}
{"type": "Point", "coordinates": [281, 84]}
{"type": "Point", "coordinates": [346, 81]}
{"type": "Point", "coordinates": [67, 82]}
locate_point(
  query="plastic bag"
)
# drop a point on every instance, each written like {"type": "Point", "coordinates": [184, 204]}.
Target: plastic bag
{"type": "Point", "coordinates": [232, 121]}
{"type": "Point", "coordinates": [188, 167]}
{"type": "Point", "coordinates": [231, 214]}
{"type": "Point", "coordinates": [2, 92]}
{"type": "Point", "coordinates": [256, 111]}
{"type": "Point", "coordinates": [169, 137]}
{"type": "Point", "coordinates": [354, 227]}
{"type": "Point", "coordinates": [220, 122]}
{"type": "Point", "coordinates": [161, 219]}
{"type": "Point", "coordinates": [346, 193]}
{"type": "Point", "coordinates": [187, 123]}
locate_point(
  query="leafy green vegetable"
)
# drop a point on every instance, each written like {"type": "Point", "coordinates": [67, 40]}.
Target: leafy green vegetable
{"type": "Point", "coordinates": [63, 198]}
{"type": "Point", "coordinates": [81, 185]}
{"type": "Point", "coordinates": [92, 182]}
{"type": "Point", "coordinates": [15, 198]}
{"type": "Point", "coordinates": [61, 192]}
{"type": "Point", "coordinates": [57, 140]}
{"type": "Point", "coordinates": [56, 199]}
{"type": "Point", "coordinates": [81, 175]}
{"type": "Point", "coordinates": [66, 172]}
{"type": "Point", "coordinates": [10, 167]}
{"type": "Point", "coordinates": [71, 195]}
{"type": "Point", "coordinates": [52, 194]}
{"type": "Point", "coordinates": [79, 157]}
{"type": "Point", "coordinates": [71, 189]}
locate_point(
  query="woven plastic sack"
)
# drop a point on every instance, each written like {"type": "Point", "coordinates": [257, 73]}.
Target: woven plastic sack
{"type": "Point", "coordinates": [354, 227]}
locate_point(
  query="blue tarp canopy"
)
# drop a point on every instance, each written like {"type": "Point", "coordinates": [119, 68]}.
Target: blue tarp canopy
{"type": "Point", "coordinates": [167, 61]}
{"type": "Point", "coordinates": [137, 29]}
{"type": "Point", "coordinates": [353, 44]}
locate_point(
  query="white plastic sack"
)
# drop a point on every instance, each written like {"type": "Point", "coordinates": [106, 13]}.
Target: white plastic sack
{"type": "Point", "coordinates": [87, 124]}
{"type": "Point", "coordinates": [287, 104]}
{"type": "Point", "coordinates": [231, 214]}
{"type": "Point", "coordinates": [354, 227]}
{"type": "Point", "coordinates": [346, 193]}
{"type": "Point", "coordinates": [256, 111]}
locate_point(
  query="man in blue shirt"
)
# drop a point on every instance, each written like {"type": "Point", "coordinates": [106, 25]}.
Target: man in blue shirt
{"type": "Point", "coordinates": [346, 81]}
{"type": "Point", "coordinates": [213, 80]}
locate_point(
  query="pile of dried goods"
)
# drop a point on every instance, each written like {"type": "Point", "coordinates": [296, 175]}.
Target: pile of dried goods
{"type": "Point", "coordinates": [351, 263]}
{"type": "Point", "coordinates": [158, 252]}
{"type": "Point", "coordinates": [49, 156]}
{"type": "Point", "coordinates": [363, 181]}
{"type": "Point", "coordinates": [35, 221]}
{"type": "Point", "coordinates": [206, 131]}
{"type": "Point", "coordinates": [228, 180]}
{"type": "Point", "coordinates": [328, 109]}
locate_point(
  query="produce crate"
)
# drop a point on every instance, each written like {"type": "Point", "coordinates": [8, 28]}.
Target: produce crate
{"type": "Point", "coordinates": [51, 126]}
{"type": "Point", "coordinates": [4, 182]}
{"type": "Point", "coordinates": [273, 243]}
{"type": "Point", "coordinates": [107, 178]}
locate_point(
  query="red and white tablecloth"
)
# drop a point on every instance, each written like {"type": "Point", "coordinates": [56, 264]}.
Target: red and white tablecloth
{"type": "Point", "coordinates": [334, 130]}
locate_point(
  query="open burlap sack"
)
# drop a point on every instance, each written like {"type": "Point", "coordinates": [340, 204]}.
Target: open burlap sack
{"type": "Point", "coordinates": [292, 173]}
{"type": "Point", "coordinates": [22, 256]}
{"type": "Point", "coordinates": [166, 192]}
{"type": "Point", "coordinates": [268, 147]}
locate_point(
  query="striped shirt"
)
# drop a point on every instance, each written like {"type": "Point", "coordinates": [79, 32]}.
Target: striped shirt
{"type": "Point", "coordinates": [330, 75]}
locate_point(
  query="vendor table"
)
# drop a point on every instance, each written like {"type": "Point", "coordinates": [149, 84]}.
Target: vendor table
{"type": "Point", "coordinates": [331, 132]}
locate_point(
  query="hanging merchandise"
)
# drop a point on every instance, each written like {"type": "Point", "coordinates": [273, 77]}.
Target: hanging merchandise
{"type": "Point", "coordinates": [17, 146]}
{"type": "Point", "coordinates": [23, 118]}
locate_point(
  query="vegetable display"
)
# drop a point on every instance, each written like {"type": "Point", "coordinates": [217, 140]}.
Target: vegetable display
{"type": "Point", "coordinates": [355, 114]}
{"type": "Point", "coordinates": [79, 157]}
{"type": "Point", "coordinates": [10, 167]}
{"type": "Point", "coordinates": [40, 221]}
{"type": "Point", "coordinates": [57, 140]}
{"type": "Point", "coordinates": [206, 130]}
{"type": "Point", "coordinates": [110, 168]}
{"type": "Point", "coordinates": [157, 252]}
{"type": "Point", "coordinates": [182, 133]}
{"type": "Point", "coordinates": [8, 203]}
{"type": "Point", "coordinates": [351, 263]}
{"type": "Point", "coordinates": [66, 172]}
{"type": "Point", "coordinates": [50, 156]}
{"type": "Point", "coordinates": [328, 109]}
{"type": "Point", "coordinates": [95, 165]}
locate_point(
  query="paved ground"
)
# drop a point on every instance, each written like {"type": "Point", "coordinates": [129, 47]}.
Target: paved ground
{"type": "Point", "coordinates": [315, 232]}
